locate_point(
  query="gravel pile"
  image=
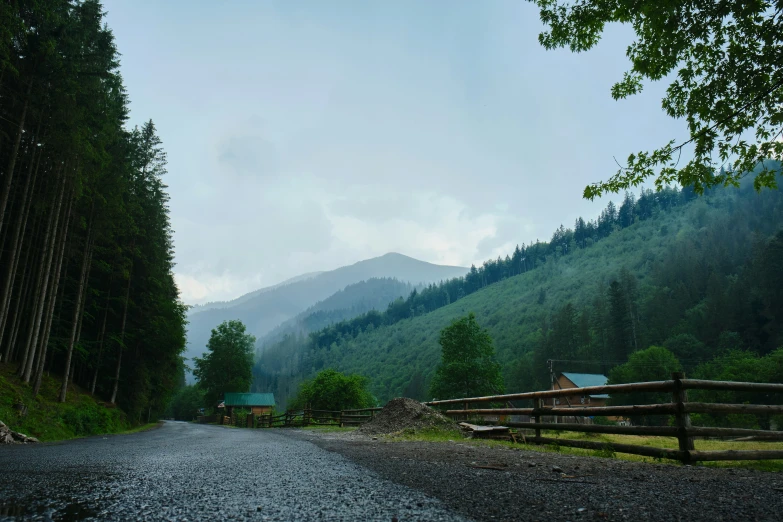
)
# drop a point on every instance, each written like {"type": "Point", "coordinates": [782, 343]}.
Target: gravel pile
{"type": "Point", "coordinates": [12, 437]}
{"type": "Point", "coordinates": [403, 414]}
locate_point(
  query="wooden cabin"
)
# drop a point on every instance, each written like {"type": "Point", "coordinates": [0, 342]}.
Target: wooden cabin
{"type": "Point", "coordinates": [579, 380]}
{"type": "Point", "coordinates": [257, 403]}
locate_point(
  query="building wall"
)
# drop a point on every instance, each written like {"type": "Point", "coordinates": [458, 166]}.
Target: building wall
{"type": "Point", "coordinates": [256, 410]}
{"type": "Point", "coordinates": [576, 401]}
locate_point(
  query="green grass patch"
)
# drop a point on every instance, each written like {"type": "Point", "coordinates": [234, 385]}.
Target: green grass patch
{"type": "Point", "coordinates": [142, 427]}
{"type": "Point", "coordinates": [49, 420]}
{"type": "Point", "coordinates": [608, 452]}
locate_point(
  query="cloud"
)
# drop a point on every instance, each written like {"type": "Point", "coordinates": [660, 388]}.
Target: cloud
{"type": "Point", "coordinates": [310, 224]}
{"type": "Point", "coordinates": [434, 227]}
{"type": "Point", "coordinates": [247, 155]}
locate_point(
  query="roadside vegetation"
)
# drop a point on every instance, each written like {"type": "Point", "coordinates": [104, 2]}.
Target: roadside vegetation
{"type": "Point", "coordinates": [333, 391]}
{"type": "Point", "coordinates": [186, 403]}
{"type": "Point", "coordinates": [42, 416]}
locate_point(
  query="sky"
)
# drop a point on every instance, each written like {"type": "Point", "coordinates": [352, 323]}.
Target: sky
{"type": "Point", "coordinates": [304, 136]}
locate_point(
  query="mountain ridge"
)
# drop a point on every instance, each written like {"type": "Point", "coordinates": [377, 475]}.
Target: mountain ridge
{"type": "Point", "coordinates": [261, 311]}
{"type": "Point", "coordinates": [525, 311]}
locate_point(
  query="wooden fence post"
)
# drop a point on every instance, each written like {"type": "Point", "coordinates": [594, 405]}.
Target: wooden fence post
{"type": "Point", "coordinates": [683, 419]}
{"type": "Point", "coordinates": [341, 419]}
{"type": "Point", "coordinates": [537, 415]}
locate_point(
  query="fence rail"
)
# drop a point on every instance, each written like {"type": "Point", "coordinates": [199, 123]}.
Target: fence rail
{"type": "Point", "coordinates": [679, 408]}
{"type": "Point", "coordinates": [310, 417]}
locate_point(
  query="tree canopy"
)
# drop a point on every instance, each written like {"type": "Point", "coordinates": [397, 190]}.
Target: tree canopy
{"type": "Point", "coordinates": [227, 364]}
{"type": "Point", "coordinates": [723, 60]}
{"type": "Point", "coordinates": [468, 367]}
{"type": "Point", "coordinates": [332, 390]}
{"type": "Point", "coordinates": [185, 403]}
{"type": "Point", "coordinates": [655, 363]}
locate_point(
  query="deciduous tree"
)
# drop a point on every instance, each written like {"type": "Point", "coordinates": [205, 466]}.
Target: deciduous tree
{"type": "Point", "coordinates": [227, 364]}
{"type": "Point", "coordinates": [723, 58]}
{"type": "Point", "coordinates": [468, 367]}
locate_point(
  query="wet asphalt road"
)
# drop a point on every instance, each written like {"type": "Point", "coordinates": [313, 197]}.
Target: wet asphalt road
{"type": "Point", "coordinates": [184, 471]}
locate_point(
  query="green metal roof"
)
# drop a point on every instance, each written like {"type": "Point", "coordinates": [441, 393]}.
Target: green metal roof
{"type": "Point", "coordinates": [249, 399]}
{"type": "Point", "coordinates": [583, 380]}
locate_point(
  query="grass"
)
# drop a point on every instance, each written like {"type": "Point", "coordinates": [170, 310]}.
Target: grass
{"type": "Point", "coordinates": [49, 420]}
{"type": "Point", "coordinates": [141, 427]}
{"type": "Point", "coordinates": [439, 435]}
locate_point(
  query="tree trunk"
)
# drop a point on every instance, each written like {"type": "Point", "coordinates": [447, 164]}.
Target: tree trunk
{"type": "Point", "coordinates": [9, 173]}
{"type": "Point", "coordinates": [25, 295]}
{"type": "Point", "coordinates": [84, 295]}
{"type": "Point", "coordinates": [76, 314]}
{"type": "Point", "coordinates": [28, 354]}
{"type": "Point", "coordinates": [122, 338]}
{"type": "Point", "coordinates": [100, 344]}
{"type": "Point", "coordinates": [16, 242]}
{"type": "Point", "coordinates": [46, 268]}
{"type": "Point", "coordinates": [56, 283]}
{"type": "Point", "coordinates": [13, 263]}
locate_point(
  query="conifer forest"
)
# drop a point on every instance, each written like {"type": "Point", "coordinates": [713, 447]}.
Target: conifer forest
{"type": "Point", "coordinates": [86, 286]}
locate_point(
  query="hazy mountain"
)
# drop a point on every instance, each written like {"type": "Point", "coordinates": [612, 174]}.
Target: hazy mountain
{"type": "Point", "coordinates": [264, 309]}
{"type": "Point", "coordinates": [241, 299]}
{"type": "Point", "coordinates": [353, 300]}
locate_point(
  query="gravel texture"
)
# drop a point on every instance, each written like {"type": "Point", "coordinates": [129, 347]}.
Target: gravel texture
{"type": "Point", "coordinates": [195, 472]}
{"type": "Point", "coordinates": [406, 414]}
{"type": "Point", "coordinates": [184, 471]}
{"type": "Point", "coordinates": [526, 485]}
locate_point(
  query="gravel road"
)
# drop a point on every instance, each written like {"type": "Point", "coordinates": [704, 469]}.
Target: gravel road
{"type": "Point", "coordinates": [527, 485]}
{"type": "Point", "coordinates": [184, 471]}
{"type": "Point", "coordinates": [192, 472]}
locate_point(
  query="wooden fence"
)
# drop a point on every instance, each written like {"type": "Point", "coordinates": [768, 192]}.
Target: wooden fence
{"type": "Point", "coordinates": [679, 408]}
{"type": "Point", "coordinates": [310, 417]}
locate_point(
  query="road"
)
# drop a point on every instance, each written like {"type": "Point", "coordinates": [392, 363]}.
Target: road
{"type": "Point", "coordinates": [183, 471]}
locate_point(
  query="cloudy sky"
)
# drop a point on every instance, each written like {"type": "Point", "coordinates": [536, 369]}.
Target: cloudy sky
{"type": "Point", "coordinates": [304, 136]}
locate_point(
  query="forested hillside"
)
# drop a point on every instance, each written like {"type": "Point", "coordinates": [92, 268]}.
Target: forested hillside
{"type": "Point", "coordinates": [86, 285]}
{"type": "Point", "coordinates": [350, 302]}
{"type": "Point", "coordinates": [696, 274]}
{"type": "Point", "coordinates": [263, 310]}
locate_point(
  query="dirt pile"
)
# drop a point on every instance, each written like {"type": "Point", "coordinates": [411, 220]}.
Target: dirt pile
{"type": "Point", "coordinates": [11, 437]}
{"type": "Point", "coordinates": [405, 414]}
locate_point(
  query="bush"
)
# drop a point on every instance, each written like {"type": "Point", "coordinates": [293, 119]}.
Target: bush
{"type": "Point", "coordinates": [332, 390]}
{"type": "Point", "coordinates": [88, 418]}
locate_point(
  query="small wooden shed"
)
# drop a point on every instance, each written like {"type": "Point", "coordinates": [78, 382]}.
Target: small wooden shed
{"type": "Point", "coordinates": [258, 403]}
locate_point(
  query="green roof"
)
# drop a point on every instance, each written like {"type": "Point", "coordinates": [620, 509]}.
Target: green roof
{"type": "Point", "coordinates": [583, 380]}
{"type": "Point", "coordinates": [249, 399]}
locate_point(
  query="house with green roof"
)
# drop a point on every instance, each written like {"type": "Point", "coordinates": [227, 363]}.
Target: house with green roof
{"type": "Point", "coordinates": [580, 380]}
{"type": "Point", "coordinates": [258, 403]}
